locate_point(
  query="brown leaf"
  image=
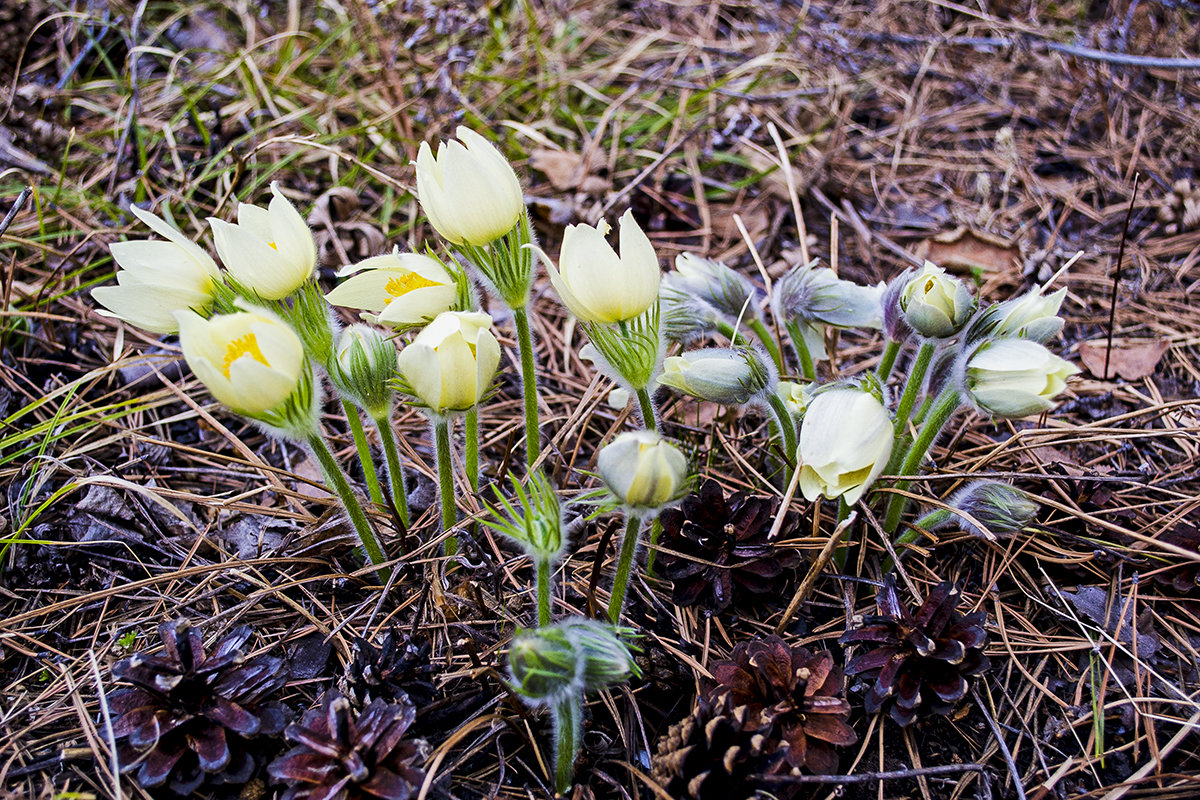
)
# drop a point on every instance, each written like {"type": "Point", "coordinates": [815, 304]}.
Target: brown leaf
{"type": "Point", "coordinates": [965, 250]}
{"type": "Point", "coordinates": [565, 170]}
{"type": "Point", "coordinates": [1132, 359]}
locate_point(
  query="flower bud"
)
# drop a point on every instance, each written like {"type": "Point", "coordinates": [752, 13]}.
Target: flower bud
{"type": "Point", "coordinates": [642, 470]}
{"type": "Point", "coordinates": [685, 318]}
{"type": "Point", "coordinates": [157, 278]}
{"type": "Point", "coordinates": [729, 376]}
{"type": "Point", "coordinates": [544, 665]}
{"type": "Point", "coordinates": [935, 304]}
{"type": "Point", "coordinates": [364, 366]}
{"type": "Point", "coordinates": [1015, 377]}
{"type": "Point", "coordinates": [815, 294]}
{"type": "Point", "coordinates": [845, 443]}
{"type": "Point", "coordinates": [1000, 508]}
{"type": "Point", "coordinates": [270, 251]}
{"type": "Point", "coordinates": [714, 283]}
{"type": "Point", "coordinates": [397, 289]}
{"type": "Point", "coordinates": [251, 361]}
{"type": "Point", "coordinates": [605, 659]}
{"type": "Point", "coordinates": [452, 361]}
{"type": "Point", "coordinates": [597, 285]}
{"type": "Point", "coordinates": [1031, 316]}
{"type": "Point", "coordinates": [469, 191]}
{"type": "Point", "coordinates": [534, 521]}
{"type": "Point", "coordinates": [796, 397]}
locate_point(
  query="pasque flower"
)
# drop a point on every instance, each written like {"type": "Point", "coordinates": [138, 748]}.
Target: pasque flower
{"type": "Point", "coordinates": [270, 251]}
{"type": "Point", "coordinates": [251, 361]}
{"type": "Point", "coordinates": [845, 443]}
{"type": "Point", "coordinates": [397, 289]}
{"type": "Point", "coordinates": [1015, 377]}
{"type": "Point", "coordinates": [157, 278]}
{"type": "Point", "coordinates": [1031, 316]}
{"type": "Point", "coordinates": [452, 361]}
{"type": "Point", "coordinates": [642, 469]}
{"type": "Point", "coordinates": [468, 190]}
{"type": "Point", "coordinates": [715, 283]}
{"type": "Point", "coordinates": [935, 304]}
{"type": "Point", "coordinates": [729, 376]}
{"type": "Point", "coordinates": [596, 284]}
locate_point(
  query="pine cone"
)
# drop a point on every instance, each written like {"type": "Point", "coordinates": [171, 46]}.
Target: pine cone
{"type": "Point", "coordinates": [340, 757]}
{"type": "Point", "coordinates": [189, 716]}
{"type": "Point", "coordinates": [795, 693]}
{"type": "Point", "coordinates": [724, 549]}
{"type": "Point", "coordinates": [1182, 575]}
{"type": "Point", "coordinates": [923, 659]}
{"type": "Point", "coordinates": [714, 755]}
{"type": "Point", "coordinates": [399, 666]}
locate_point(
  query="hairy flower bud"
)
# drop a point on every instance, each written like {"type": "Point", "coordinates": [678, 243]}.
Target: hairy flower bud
{"type": "Point", "coordinates": [544, 665]}
{"type": "Point", "coordinates": [815, 294]}
{"type": "Point", "coordinates": [364, 366]}
{"type": "Point", "coordinates": [1032, 316]}
{"type": "Point", "coordinates": [1000, 508]}
{"type": "Point", "coordinates": [605, 659]}
{"type": "Point", "coordinates": [713, 282]}
{"type": "Point", "coordinates": [935, 304]}
{"type": "Point", "coordinates": [642, 470]}
{"type": "Point", "coordinates": [729, 376]}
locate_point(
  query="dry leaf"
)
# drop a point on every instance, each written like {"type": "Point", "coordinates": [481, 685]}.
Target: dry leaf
{"type": "Point", "coordinates": [310, 469]}
{"type": "Point", "coordinates": [1132, 359]}
{"type": "Point", "coordinates": [565, 170]}
{"type": "Point", "coordinates": [966, 250]}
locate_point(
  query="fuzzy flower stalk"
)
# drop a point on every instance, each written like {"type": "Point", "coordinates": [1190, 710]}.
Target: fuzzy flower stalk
{"type": "Point", "coordinates": [447, 369]}
{"type": "Point", "coordinates": [473, 199]}
{"type": "Point", "coordinates": [616, 299]}
{"type": "Point", "coordinates": [535, 523]}
{"type": "Point", "coordinates": [556, 666]}
{"type": "Point", "coordinates": [254, 363]}
{"type": "Point", "coordinates": [643, 473]}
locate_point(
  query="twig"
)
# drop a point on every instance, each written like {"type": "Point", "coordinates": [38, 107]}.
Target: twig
{"type": "Point", "coordinates": [108, 727]}
{"type": "Point", "coordinates": [16, 209]}
{"type": "Point", "coordinates": [867, 777]}
{"type": "Point", "coordinates": [814, 571]}
{"type": "Point", "coordinates": [1112, 300]}
{"type": "Point", "coordinates": [1008, 759]}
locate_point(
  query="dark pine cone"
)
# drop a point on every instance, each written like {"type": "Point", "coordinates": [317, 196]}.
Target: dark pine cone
{"type": "Point", "coordinates": [793, 692]}
{"type": "Point", "coordinates": [190, 713]}
{"type": "Point", "coordinates": [724, 549]}
{"type": "Point", "coordinates": [399, 666]}
{"type": "Point", "coordinates": [342, 757]}
{"type": "Point", "coordinates": [923, 660]}
{"type": "Point", "coordinates": [1183, 575]}
{"type": "Point", "coordinates": [714, 755]}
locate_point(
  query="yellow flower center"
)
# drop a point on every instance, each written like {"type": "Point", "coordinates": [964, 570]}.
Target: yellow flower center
{"type": "Point", "coordinates": [399, 285]}
{"type": "Point", "coordinates": [273, 246]}
{"type": "Point", "coordinates": [245, 346]}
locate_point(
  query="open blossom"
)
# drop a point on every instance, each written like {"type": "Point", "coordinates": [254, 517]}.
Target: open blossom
{"type": "Point", "coordinates": [452, 361]}
{"type": "Point", "coordinates": [468, 190]}
{"type": "Point", "coordinates": [1015, 377]}
{"type": "Point", "coordinates": [270, 250]}
{"type": "Point", "coordinates": [157, 278]}
{"type": "Point", "coordinates": [397, 289]}
{"type": "Point", "coordinates": [596, 284]}
{"type": "Point", "coordinates": [250, 361]}
{"type": "Point", "coordinates": [845, 443]}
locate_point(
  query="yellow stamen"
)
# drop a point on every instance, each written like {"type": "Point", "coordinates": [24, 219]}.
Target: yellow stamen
{"type": "Point", "coordinates": [245, 346]}
{"type": "Point", "coordinates": [403, 284]}
{"type": "Point", "coordinates": [273, 246]}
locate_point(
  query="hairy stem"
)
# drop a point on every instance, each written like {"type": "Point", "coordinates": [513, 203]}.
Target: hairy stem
{"type": "Point", "coordinates": [787, 428]}
{"type": "Point", "coordinates": [943, 409]}
{"type": "Point", "coordinates": [533, 446]}
{"type": "Point", "coordinates": [807, 371]}
{"type": "Point", "coordinates": [887, 360]}
{"type": "Point", "coordinates": [912, 387]}
{"type": "Point", "coordinates": [441, 437]}
{"type": "Point", "coordinates": [471, 435]}
{"type": "Point", "coordinates": [764, 336]}
{"type": "Point", "coordinates": [336, 479]}
{"type": "Point", "coordinates": [370, 476]}
{"type": "Point", "coordinates": [396, 486]}
{"type": "Point", "coordinates": [543, 592]}
{"type": "Point", "coordinates": [629, 542]}
{"type": "Point", "coordinates": [568, 722]}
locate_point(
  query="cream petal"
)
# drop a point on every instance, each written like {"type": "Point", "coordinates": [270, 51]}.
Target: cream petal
{"type": "Point", "coordinates": [174, 235]}
{"type": "Point", "coordinates": [257, 387]}
{"type": "Point", "coordinates": [419, 365]}
{"type": "Point", "coordinates": [418, 305]}
{"type": "Point", "coordinates": [161, 262]}
{"type": "Point", "coordinates": [291, 234]}
{"type": "Point", "coordinates": [252, 262]}
{"type": "Point", "coordinates": [366, 290]}
{"type": "Point", "coordinates": [135, 308]}
{"type": "Point", "coordinates": [280, 346]}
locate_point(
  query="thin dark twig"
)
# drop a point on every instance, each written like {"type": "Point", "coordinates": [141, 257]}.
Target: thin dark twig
{"type": "Point", "coordinates": [16, 209]}
{"type": "Point", "coordinates": [867, 777]}
{"type": "Point", "coordinates": [1112, 300]}
{"type": "Point", "coordinates": [1008, 759]}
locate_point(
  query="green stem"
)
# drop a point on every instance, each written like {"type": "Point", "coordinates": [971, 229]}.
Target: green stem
{"type": "Point", "coordinates": [471, 435]}
{"type": "Point", "coordinates": [943, 409]}
{"type": "Point", "coordinates": [649, 417]}
{"type": "Point", "coordinates": [839, 555]}
{"type": "Point", "coordinates": [728, 331]}
{"type": "Point", "coordinates": [913, 534]}
{"type": "Point", "coordinates": [441, 436]}
{"type": "Point", "coordinates": [370, 476]}
{"type": "Point", "coordinates": [652, 551]}
{"type": "Point", "coordinates": [787, 427]}
{"type": "Point", "coordinates": [807, 371]}
{"type": "Point", "coordinates": [916, 378]}
{"type": "Point", "coordinates": [533, 446]}
{"type": "Point", "coordinates": [336, 479]}
{"type": "Point", "coordinates": [543, 592]}
{"type": "Point", "coordinates": [568, 722]}
{"type": "Point", "coordinates": [888, 360]}
{"type": "Point", "coordinates": [764, 336]}
{"type": "Point", "coordinates": [629, 541]}
{"type": "Point", "coordinates": [391, 452]}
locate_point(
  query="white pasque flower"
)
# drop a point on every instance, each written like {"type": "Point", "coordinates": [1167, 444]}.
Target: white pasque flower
{"type": "Point", "coordinates": [1015, 377]}
{"type": "Point", "coordinates": [452, 361]}
{"type": "Point", "coordinates": [468, 190]}
{"type": "Point", "coordinates": [1032, 316]}
{"type": "Point", "coordinates": [157, 278]}
{"type": "Point", "coordinates": [729, 376]}
{"type": "Point", "coordinates": [935, 304]}
{"type": "Point", "coordinates": [596, 284]}
{"type": "Point", "coordinates": [642, 470]}
{"type": "Point", "coordinates": [270, 250]}
{"type": "Point", "coordinates": [398, 289]}
{"type": "Point", "coordinates": [845, 443]}
{"type": "Point", "coordinates": [250, 360]}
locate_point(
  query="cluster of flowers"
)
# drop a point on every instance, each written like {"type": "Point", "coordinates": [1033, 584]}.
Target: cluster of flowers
{"type": "Point", "coordinates": [260, 334]}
